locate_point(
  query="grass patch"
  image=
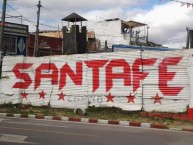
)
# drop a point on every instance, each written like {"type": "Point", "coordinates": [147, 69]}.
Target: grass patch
{"type": "Point", "coordinates": [106, 113]}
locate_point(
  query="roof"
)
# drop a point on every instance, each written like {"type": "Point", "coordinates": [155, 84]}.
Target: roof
{"type": "Point", "coordinates": [147, 48]}
{"type": "Point", "coordinates": [91, 34]}
{"type": "Point", "coordinates": [115, 19]}
{"type": "Point", "coordinates": [134, 24]}
{"type": "Point", "coordinates": [74, 18]}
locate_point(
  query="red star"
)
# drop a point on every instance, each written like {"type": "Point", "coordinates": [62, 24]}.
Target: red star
{"type": "Point", "coordinates": [1, 24]}
{"type": "Point", "coordinates": [24, 95]}
{"type": "Point", "coordinates": [61, 96]}
{"type": "Point", "coordinates": [42, 94]}
{"type": "Point", "coordinates": [157, 99]}
{"type": "Point", "coordinates": [109, 98]}
{"type": "Point", "coordinates": [130, 98]}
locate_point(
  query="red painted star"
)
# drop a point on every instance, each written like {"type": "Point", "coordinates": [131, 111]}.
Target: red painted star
{"type": "Point", "coordinates": [61, 96]}
{"type": "Point", "coordinates": [109, 98]}
{"type": "Point", "coordinates": [42, 94]}
{"type": "Point", "coordinates": [24, 95]}
{"type": "Point", "coordinates": [2, 24]}
{"type": "Point", "coordinates": [130, 98]}
{"type": "Point", "coordinates": [157, 99]}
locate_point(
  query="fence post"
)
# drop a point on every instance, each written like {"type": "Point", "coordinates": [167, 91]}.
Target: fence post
{"type": "Point", "coordinates": [106, 46]}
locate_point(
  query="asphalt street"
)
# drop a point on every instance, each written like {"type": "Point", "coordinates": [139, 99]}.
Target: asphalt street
{"type": "Point", "coordinates": [16, 131]}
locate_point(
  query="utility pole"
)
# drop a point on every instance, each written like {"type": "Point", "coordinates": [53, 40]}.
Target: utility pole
{"type": "Point", "coordinates": [2, 25]}
{"type": "Point", "coordinates": [1, 33]}
{"type": "Point", "coordinates": [147, 41]}
{"type": "Point", "coordinates": [36, 45]}
{"type": "Point", "coordinates": [188, 38]}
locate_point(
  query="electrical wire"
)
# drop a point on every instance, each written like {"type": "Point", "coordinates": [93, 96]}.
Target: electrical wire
{"type": "Point", "coordinates": [32, 22]}
{"type": "Point", "coordinates": [20, 14]}
{"type": "Point", "coordinates": [172, 40]}
{"type": "Point", "coordinates": [49, 10]}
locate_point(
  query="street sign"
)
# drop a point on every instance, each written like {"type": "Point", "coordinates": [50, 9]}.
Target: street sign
{"type": "Point", "coordinates": [17, 29]}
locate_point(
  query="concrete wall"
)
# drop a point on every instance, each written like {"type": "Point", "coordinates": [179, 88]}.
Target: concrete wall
{"type": "Point", "coordinates": [110, 31]}
{"type": "Point", "coordinates": [154, 81]}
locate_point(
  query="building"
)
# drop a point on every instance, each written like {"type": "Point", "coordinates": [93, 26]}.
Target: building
{"type": "Point", "coordinates": [14, 40]}
{"type": "Point", "coordinates": [116, 31]}
{"type": "Point", "coordinates": [105, 34]}
{"type": "Point", "coordinates": [55, 34]}
{"type": "Point", "coordinates": [74, 36]}
{"type": "Point", "coordinates": [47, 45]}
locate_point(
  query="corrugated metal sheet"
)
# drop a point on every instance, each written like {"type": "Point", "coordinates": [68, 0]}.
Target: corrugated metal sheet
{"type": "Point", "coordinates": [169, 74]}
{"type": "Point", "coordinates": [105, 79]}
{"type": "Point", "coordinates": [119, 99]}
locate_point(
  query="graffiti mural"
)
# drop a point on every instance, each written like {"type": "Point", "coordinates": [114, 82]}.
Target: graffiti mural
{"type": "Point", "coordinates": [154, 81]}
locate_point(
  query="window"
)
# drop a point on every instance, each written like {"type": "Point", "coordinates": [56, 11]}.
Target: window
{"type": "Point", "coordinates": [10, 44]}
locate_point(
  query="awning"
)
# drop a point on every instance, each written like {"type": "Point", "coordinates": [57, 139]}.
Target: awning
{"type": "Point", "coordinates": [133, 24]}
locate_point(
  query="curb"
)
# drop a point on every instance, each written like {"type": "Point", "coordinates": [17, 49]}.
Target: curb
{"type": "Point", "coordinates": [94, 121]}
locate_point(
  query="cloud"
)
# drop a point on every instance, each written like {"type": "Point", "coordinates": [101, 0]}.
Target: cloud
{"type": "Point", "coordinates": [81, 4]}
{"type": "Point", "coordinates": [167, 21]}
{"type": "Point", "coordinates": [53, 11]}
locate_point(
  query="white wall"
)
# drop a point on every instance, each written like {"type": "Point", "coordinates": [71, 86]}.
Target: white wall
{"type": "Point", "coordinates": [162, 83]}
{"type": "Point", "coordinates": [110, 31]}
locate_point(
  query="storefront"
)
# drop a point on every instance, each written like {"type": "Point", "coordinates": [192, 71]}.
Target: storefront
{"type": "Point", "coordinates": [15, 39]}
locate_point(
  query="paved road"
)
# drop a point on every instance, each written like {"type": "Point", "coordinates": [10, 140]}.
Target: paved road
{"type": "Point", "coordinates": [16, 131]}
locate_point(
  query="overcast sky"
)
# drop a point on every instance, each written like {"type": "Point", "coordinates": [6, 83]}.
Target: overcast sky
{"type": "Point", "coordinates": [167, 19]}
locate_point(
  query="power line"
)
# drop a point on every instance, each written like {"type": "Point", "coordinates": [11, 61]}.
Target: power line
{"type": "Point", "coordinates": [8, 15]}
{"type": "Point", "coordinates": [49, 11]}
{"type": "Point", "coordinates": [20, 14]}
{"type": "Point", "coordinates": [49, 16]}
{"type": "Point", "coordinates": [183, 3]}
{"type": "Point", "coordinates": [26, 7]}
{"type": "Point", "coordinates": [32, 22]}
{"type": "Point", "coordinates": [172, 40]}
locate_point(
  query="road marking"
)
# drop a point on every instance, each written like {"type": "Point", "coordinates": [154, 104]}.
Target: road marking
{"type": "Point", "coordinates": [1, 119]}
{"type": "Point", "coordinates": [97, 124]}
{"type": "Point", "coordinates": [13, 138]}
{"type": "Point", "coordinates": [35, 124]}
{"type": "Point", "coordinates": [53, 132]}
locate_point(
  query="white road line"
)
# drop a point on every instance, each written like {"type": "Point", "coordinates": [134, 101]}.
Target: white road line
{"type": "Point", "coordinates": [13, 138]}
{"type": "Point", "coordinates": [2, 119]}
{"type": "Point", "coordinates": [35, 124]}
